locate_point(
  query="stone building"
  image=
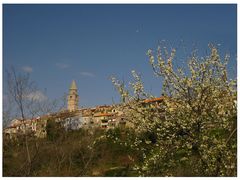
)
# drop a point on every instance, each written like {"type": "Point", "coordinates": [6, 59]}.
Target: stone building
{"type": "Point", "coordinates": [73, 97]}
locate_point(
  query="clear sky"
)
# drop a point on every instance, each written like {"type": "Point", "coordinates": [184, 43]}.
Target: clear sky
{"type": "Point", "coordinates": [89, 43]}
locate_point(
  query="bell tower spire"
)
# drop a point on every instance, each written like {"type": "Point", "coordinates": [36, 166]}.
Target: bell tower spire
{"type": "Point", "coordinates": [73, 97]}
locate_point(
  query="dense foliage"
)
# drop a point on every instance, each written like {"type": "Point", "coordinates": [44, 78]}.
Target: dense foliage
{"type": "Point", "coordinates": [193, 131]}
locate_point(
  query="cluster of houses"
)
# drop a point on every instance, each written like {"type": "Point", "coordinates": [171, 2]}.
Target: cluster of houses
{"type": "Point", "coordinates": [105, 117]}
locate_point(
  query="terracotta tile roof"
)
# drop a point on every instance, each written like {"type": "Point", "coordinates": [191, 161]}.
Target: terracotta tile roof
{"type": "Point", "coordinates": [86, 114]}
{"type": "Point", "coordinates": [154, 99]}
{"type": "Point", "coordinates": [10, 127]}
{"type": "Point", "coordinates": [103, 114]}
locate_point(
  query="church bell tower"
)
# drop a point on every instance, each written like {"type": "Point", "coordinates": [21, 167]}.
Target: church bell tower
{"type": "Point", "coordinates": [73, 97]}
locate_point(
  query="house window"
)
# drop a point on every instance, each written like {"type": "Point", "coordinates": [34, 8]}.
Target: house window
{"type": "Point", "coordinates": [104, 121]}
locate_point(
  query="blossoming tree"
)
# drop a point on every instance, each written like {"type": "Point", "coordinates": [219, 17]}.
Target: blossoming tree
{"type": "Point", "coordinates": [193, 131]}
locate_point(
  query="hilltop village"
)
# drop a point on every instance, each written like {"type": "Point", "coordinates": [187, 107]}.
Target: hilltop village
{"type": "Point", "coordinates": [73, 118]}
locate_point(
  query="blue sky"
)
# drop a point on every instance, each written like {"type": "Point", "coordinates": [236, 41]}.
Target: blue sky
{"type": "Point", "coordinates": [89, 43]}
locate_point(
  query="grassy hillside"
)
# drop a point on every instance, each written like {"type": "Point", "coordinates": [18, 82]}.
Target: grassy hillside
{"type": "Point", "coordinates": [76, 153]}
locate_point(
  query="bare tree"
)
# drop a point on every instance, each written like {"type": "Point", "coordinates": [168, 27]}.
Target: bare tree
{"type": "Point", "coordinates": [8, 106]}
{"type": "Point", "coordinates": [19, 87]}
{"type": "Point", "coordinates": [24, 100]}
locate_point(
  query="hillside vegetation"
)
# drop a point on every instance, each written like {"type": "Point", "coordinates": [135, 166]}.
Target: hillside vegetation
{"type": "Point", "coordinates": [76, 153]}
